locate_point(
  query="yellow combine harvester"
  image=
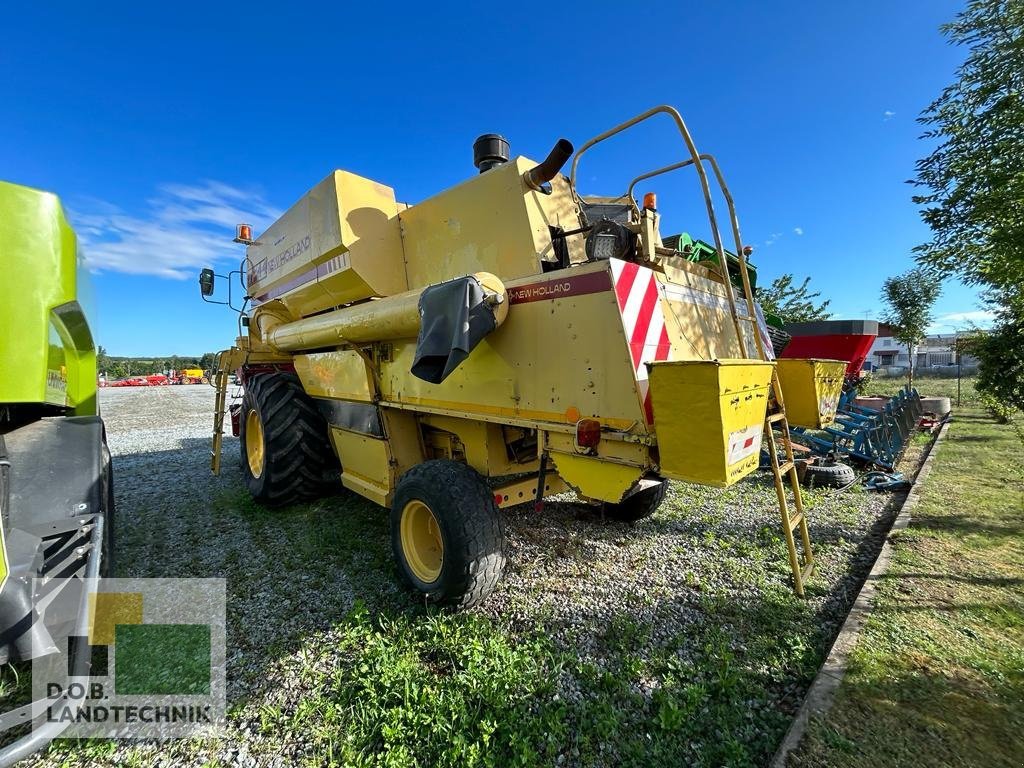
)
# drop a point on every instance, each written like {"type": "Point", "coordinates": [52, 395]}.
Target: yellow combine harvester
{"type": "Point", "coordinates": [502, 341]}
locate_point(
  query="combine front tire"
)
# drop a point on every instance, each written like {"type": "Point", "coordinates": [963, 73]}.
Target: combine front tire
{"type": "Point", "coordinates": [447, 534]}
{"type": "Point", "coordinates": [286, 455]}
{"type": "Point", "coordinates": [638, 506]}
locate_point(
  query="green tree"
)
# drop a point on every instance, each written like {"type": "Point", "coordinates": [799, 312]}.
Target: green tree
{"type": "Point", "coordinates": [792, 303]}
{"type": "Point", "coordinates": [909, 299]}
{"type": "Point", "coordinates": [973, 183]}
{"type": "Point", "coordinates": [102, 359]}
{"type": "Point", "coordinates": [973, 180]}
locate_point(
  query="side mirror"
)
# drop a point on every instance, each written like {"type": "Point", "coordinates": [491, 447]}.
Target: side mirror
{"type": "Point", "coordinates": [206, 278]}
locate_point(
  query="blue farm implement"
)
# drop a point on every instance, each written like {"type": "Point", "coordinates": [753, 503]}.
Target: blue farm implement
{"type": "Point", "coordinates": [874, 437]}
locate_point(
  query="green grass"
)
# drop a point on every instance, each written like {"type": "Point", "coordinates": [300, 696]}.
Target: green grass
{"type": "Point", "coordinates": [937, 677]}
{"type": "Point", "coordinates": [928, 386]}
{"type": "Point", "coordinates": [332, 663]}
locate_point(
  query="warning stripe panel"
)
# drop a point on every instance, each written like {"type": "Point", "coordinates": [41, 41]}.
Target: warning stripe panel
{"type": "Point", "coordinates": [637, 291]}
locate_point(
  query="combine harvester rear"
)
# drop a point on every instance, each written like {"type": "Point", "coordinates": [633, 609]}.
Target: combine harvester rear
{"type": "Point", "coordinates": [502, 341]}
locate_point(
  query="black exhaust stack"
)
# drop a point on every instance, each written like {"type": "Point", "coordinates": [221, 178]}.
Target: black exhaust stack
{"type": "Point", "coordinates": [539, 175]}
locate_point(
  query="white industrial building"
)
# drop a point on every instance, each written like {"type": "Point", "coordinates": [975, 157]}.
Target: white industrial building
{"type": "Point", "coordinates": [935, 352]}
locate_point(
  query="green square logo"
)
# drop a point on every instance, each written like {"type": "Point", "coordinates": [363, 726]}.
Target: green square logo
{"type": "Point", "coordinates": [160, 659]}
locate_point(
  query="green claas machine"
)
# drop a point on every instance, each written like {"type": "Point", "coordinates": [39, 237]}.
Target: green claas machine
{"type": "Point", "coordinates": [56, 493]}
{"type": "Point", "coordinates": [501, 341]}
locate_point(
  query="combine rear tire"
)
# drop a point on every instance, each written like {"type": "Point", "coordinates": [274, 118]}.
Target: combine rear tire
{"type": "Point", "coordinates": [447, 533]}
{"type": "Point", "coordinates": [638, 506]}
{"type": "Point", "coordinates": [286, 455]}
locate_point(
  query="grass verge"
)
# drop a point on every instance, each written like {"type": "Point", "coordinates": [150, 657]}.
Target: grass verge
{"type": "Point", "coordinates": [928, 386]}
{"type": "Point", "coordinates": [937, 677]}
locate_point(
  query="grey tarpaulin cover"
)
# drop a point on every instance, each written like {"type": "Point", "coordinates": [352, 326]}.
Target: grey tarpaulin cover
{"type": "Point", "coordinates": [454, 317]}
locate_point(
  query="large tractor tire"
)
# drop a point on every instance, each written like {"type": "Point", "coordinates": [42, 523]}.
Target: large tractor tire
{"type": "Point", "coordinates": [447, 533]}
{"type": "Point", "coordinates": [638, 506]}
{"type": "Point", "coordinates": [286, 454]}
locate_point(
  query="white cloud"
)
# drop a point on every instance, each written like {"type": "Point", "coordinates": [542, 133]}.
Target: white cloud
{"type": "Point", "coordinates": [772, 238]}
{"type": "Point", "coordinates": [184, 228]}
{"type": "Point", "coordinates": [961, 321]}
{"type": "Point", "coordinates": [888, 115]}
{"type": "Point", "coordinates": [798, 230]}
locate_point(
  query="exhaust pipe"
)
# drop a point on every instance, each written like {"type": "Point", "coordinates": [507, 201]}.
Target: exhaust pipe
{"type": "Point", "coordinates": [546, 171]}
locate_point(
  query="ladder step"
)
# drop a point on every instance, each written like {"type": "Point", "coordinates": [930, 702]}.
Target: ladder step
{"type": "Point", "coordinates": [795, 520]}
{"type": "Point", "coordinates": [775, 417]}
{"type": "Point", "coordinates": [785, 467]}
{"type": "Point", "coordinates": [807, 571]}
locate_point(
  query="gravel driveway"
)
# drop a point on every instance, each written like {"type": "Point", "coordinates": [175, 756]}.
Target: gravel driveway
{"type": "Point", "coordinates": [709, 566]}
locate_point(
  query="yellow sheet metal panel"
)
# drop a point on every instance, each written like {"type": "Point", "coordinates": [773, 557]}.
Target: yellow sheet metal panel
{"type": "Point", "coordinates": [341, 374]}
{"type": "Point", "coordinates": [610, 448]}
{"type": "Point", "coordinates": [491, 222]}
{"type": "Point", "coordinates": [811, 389]}
{"type": "Point", "coordinates": [709, 417]}
{"type": "Point", "coordinates": [595, 478]}
{"type": "Point", "coordinates": [338, 244]}
{"type": "Point", "coordinates": [697, 316]}
{"type": "Point", "coordinates": [560, 356]}
{"type": "Point", "coordinates": [3, 558]}
{"type": "Point", "coordinates": [525, 490]}
{"type": "Point", "coordinates": [366, 464]}
{"type": "Point", "coordinates": [482, 444]}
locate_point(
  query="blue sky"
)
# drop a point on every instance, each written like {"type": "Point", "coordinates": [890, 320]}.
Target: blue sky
{"type": "Point", "coordinates": [162, 126]}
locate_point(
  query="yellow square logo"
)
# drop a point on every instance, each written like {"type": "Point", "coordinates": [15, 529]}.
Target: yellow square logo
{"type": "Point", "coordinates": [107, 610]}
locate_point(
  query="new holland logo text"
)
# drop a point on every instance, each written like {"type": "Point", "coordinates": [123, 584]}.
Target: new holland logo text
{"type": "Point", "coordinates": [544, 291]}
{"type": "Point", "coordinates": [560, 288]}
{"type": "Point", "coordinates": [273, 263]}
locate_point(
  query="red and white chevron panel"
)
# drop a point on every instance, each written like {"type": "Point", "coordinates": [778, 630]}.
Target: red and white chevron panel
{"type": "Point", "coordinates": [638, 294]}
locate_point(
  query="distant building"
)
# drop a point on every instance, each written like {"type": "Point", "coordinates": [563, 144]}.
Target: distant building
{"type": "Point", "coordinates": [934, 352]}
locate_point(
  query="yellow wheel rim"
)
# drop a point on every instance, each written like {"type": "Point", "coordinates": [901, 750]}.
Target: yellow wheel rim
{"type": "Point", "coordinates": [421, 541]}
{"type": "Point", "coordinates": [254, 442]}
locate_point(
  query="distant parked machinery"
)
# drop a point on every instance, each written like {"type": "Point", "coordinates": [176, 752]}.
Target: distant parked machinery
{"type": "Point", "coordinates": [191, 376]}
{"type": "Point", "coordinates": [499, 342]}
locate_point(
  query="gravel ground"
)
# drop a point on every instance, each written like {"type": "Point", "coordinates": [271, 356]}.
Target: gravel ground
{"type": "Point", "coordinates": [707, 558]}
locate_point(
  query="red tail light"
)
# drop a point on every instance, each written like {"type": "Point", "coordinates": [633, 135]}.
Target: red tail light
{"type": "Point", "coordinates": [588, 433]}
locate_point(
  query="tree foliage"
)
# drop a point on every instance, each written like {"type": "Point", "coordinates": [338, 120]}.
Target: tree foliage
{"type": "Point", "coordinates": [126, 367]}
{"type": "Point", "coordinates": [909, 299]}
{"type": "Point", "coordinates": [974, 178]}
{"type": "Point", "coordinates": [793, 303]}
{"type": "Point", "coordinates": [1000, 354]}
{"type": "Point", "coordinates": [973, 182]}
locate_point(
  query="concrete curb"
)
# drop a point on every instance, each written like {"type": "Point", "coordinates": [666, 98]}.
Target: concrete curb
{"type": "Point", "coordinates": [819, 697]}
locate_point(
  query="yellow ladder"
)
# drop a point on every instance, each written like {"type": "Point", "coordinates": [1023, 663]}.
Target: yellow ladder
{"type": "Point", "coordinates": [220, 381]}
{"type": "Point", "coordinates": [801, 558]}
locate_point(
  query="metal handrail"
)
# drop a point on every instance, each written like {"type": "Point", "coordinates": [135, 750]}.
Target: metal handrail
{"type": "Point", "coordinates": [712, 218]}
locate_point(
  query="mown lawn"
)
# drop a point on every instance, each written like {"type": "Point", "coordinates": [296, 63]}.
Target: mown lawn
{"type": "Point", "coordinates": [674, 641]}
{"type": "Point", "coordinates": [927, 386]}
{"type": "Point", "coordinates": [937, 677]}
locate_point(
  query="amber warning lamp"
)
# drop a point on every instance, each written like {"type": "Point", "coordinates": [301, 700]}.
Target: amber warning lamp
{"type": "Point", "coordinates": [651, 201]}
{"type": "Point", "coordinates": [243, 234]}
